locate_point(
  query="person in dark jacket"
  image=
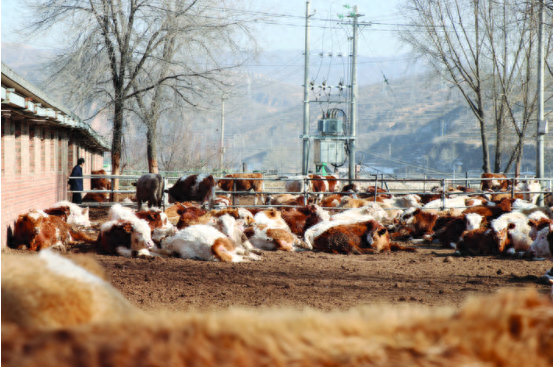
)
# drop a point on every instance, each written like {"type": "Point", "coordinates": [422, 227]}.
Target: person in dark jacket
{"type": "Point", "coordinates": [76, 184]}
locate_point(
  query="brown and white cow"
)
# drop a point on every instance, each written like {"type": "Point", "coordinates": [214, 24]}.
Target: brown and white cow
{"type": "Point", "coordinates": [70, 213]}
{"type": "Point", "coordinates": [244, 182]}
{"type": "Point", "coordinates": [49, 291]}
{"type": "Point", "coordinates": [268, 238]}
{"type": "Point", "coordinates": [415, 222]}
{"type": "Point", "coordinates": [126, 237]}
{"type": "Point", "coordinates": [542, 245]}
{"type": "Point", "coordinates": [453, 229]}
{"type": "Point", "coordinates": [300, 219]}
{"type": "Point", "coordinates": [271, 217]}
{"type": "Point", "coordinates": [480, 241]}
{"type": "Point", "coordinates": [317, 183]}
{"type": "Point", "coordinates": [288, 199]}
{"type": "Point", "coordinates": [491, 212]}
{"type": "Point", "coordinates": [204, 242]}
{"type": "Point", "coordinates": [494, 181]}
{"type": "Point", "coordinates": [100, 183]}
{"type": "Point", "coordinates": [358, 238]}
{"type": "Point", "coordinates": [199, 187]}
{"type": "Point", "coordinates": [37, 231]}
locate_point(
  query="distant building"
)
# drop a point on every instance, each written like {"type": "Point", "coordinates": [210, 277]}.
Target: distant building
{"type": "Point", "coordinates": [41, 142]}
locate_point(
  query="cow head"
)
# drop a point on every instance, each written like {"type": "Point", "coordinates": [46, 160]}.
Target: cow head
{"type": "Point", "coordinates": [407, 218]}
{"type": "Point", "coordinates": [473, 221]}
{"type": "Point", "coordinates": [500, 236]}
{"type": "Point", "coordinates": [542, 245]}
{"type": "Point", "coordinates": [80, 217]}
{"type": "Point", "coordinates": [377, 238]}
{"type": "Point", "coordinates": [140, 235]}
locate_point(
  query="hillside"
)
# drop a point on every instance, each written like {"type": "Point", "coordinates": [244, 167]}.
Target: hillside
{"type": "Point", "coordinates": [410, 124]}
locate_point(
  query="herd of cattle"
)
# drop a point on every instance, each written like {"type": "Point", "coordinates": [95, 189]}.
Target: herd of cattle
{"type": "Point", "coordinates": [498, 220]}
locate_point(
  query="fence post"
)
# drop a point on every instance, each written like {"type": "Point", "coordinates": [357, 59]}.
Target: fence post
{"type": "Point", "coordinates": [425, 183]}
{"type": "Point", "coordinates": [443, 193]}
{"type": "Point", "coordinates": [112, 194]}
{"type": "Point", "coordinates": [467, 180]}
{"type": "Point", "coordinates": [234, 189]}
{"type": "Point", "coordinates": [375, 190]}
{"type": "Point", "coordinates": [382, 180]}
{"type": "Point", "coordinates": [165, 198]}
{"type": "Point", "coordinates": [305, 190]}
{"type": "Point", "coordinates": [513, 188]}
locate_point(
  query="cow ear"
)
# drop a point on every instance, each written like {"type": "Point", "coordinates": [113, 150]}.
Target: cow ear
{"type": "Point", "coordinates": [127, 227]}
{"type": "Point", "coordinates": [85, 211]}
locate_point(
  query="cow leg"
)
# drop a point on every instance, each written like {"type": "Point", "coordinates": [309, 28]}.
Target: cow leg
{"type": "Point", "coordinates": [282, 245]}
{"type": "Point", "coordinates": [220, 251]}
{"type": "Point", "coordinates": [139, 203]}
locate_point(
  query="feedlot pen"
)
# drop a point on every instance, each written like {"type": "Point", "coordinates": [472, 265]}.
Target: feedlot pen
{"type": "Point", "coordinates": [431, 276]}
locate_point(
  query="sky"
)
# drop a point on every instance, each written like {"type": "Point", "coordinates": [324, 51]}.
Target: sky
{"type": "Point", "coordinates": [284, 30]}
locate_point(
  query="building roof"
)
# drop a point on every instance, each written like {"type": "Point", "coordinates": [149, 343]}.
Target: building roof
{"type": "Point", "coordinates": [28, 100]}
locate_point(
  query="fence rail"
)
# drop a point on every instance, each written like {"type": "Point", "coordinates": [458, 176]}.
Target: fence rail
{"type": "Point", "coordinates": [377, 180]}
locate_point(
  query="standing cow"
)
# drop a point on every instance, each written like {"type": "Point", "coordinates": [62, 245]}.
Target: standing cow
{"type": "Point", "coordinates": [193, 188]}
{"type": "Point", "coordinates": [150, 187]}
{"type": "Point", "coordinates": [244, 184]}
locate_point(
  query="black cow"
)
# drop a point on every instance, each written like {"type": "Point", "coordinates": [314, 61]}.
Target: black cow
{"type": "Point", "coordinates": [150, 187]}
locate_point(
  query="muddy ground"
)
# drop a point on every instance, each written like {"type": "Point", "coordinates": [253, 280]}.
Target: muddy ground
{"type": "Point", "coordinates": [431, 276]}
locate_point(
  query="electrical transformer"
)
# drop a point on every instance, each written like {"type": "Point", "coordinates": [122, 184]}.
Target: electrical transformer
{"type": "Point", "coordinates": [328, 151]}
{"type": "Point", "coordinates": [329, 127]}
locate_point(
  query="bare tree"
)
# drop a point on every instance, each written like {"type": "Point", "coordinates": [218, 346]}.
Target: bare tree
{"type": "Point", "coordinates": [207, 41]}
{"type": "Point", "coordinates": [110, 45]}
{"type": "Point", "coordinates": [448, 35]}
{"type": "Point", "coordinates": [482, 47]}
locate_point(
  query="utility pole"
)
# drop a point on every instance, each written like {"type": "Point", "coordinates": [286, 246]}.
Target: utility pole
{"type": "Point", "coordinates": [222, 146]}
{"type": "Point", "coordinates": [354, 95]}
{"type": "Point", "coordinates": [306, 125]}
{"type": "Point", "coordinates": [541, 123]}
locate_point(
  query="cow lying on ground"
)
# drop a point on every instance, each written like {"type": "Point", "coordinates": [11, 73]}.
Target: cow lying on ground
{"type": "Point", "coordinates": [300, 219]}
{"type": "Point", "coordinates": [49, 290]}
{"type": "Point", "coordinates": [96, 197]}
{"type": "Point", "coordinates": [415, 222]}
{"type": "Point", "coordinates": [70, 213]}
{"type": "Point", "coordinates": [59, 314]}
{"type": "Point", "coordinates": [288, 199]}
{"type": "Point", "coordinates": [244, 182]}
{"type": "Point", "coordinates": [126, 237]}
{"type": "Point", "coordinates": [150, 188]}
{"type": "Point", "coordinates": [268, 238]}
{"type": "Point", "coordinates": [203, 242]}
{"type": "Point", "coordinates": [542, 245]}
{"type": "Point", "coordinates": [37, 231]}
{"type": "Point", "coordinates": [449, 235]}
{"type": "Point", "coordinates": [271, 217]}
{"type": "Point", "coordinates": [359, 238]}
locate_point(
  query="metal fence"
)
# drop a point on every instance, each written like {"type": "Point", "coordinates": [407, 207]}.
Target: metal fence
{"type": "Point", "coordinates": [395, 186]}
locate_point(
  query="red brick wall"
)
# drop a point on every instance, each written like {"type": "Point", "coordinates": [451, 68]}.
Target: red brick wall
{"type": "Point", "coordinates": [36, 162]}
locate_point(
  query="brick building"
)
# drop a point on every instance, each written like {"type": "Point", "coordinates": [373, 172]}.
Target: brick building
{"type": "Point", "coordinates": [41, 142]}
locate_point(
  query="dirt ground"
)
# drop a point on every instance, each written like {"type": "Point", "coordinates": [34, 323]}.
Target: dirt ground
{"type": "Point", "coordinates": [431, 276]}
